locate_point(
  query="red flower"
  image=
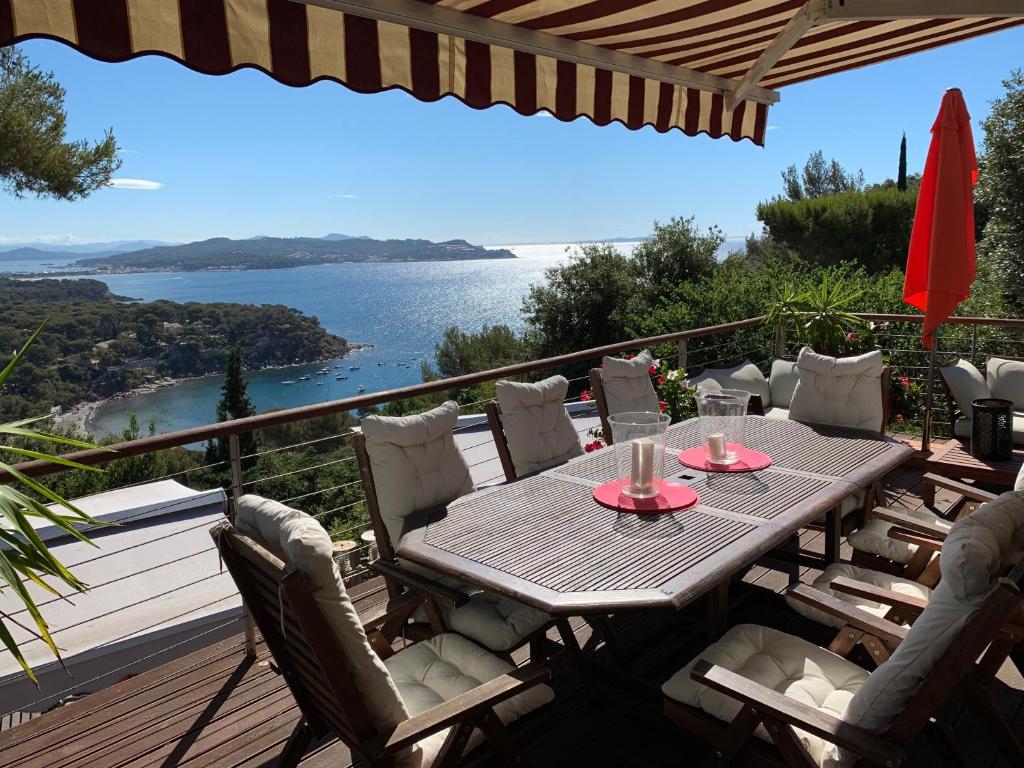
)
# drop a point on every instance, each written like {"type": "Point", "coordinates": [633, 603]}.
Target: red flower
{"type": "Point", "coordinates": [662, 405]}
{"type": "Point", "coordinates": [899, 418]}
{"type": "Point", "coordinates": [652, 370]}
{"type": "Point", "coordinates": [905, 381]}
{"type": "Point", "coordinates": [586, 395]}
{"type": "Point", "coordinates": [594, 446]}
{"type": "Point", "coordinates": [852, 336]}
{"type": "Point", "coordinates": [588, 447]}
{"type": "Point", "coordinates": [602, 364]}
{"type": "Point", "coordinates": [661, 379]}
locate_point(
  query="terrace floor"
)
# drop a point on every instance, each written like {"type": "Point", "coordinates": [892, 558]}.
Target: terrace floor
{"type": "Point", "coordinates": [215, 709]}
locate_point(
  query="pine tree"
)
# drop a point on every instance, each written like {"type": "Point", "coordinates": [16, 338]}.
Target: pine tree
{"type": "Point", "coordinates": [901, 178]}
{"type": "Point", "coordinates": [234, 404]}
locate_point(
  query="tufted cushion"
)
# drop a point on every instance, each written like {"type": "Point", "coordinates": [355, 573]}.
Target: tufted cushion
{"type": "Point", "coordinates": [845, 392]}
{"type": "Point", "coordinates": [985, 543]}
{"type": "Point", "coordinates": [627, 384]}
{"type": "Point", "coordinates": [746, 376]}
{"type": "Point", "coordinates": [540, 433]}
{"type": "Point", "coordinates": [300, 541]}
{"type": "Point", "coordinates": [965, 384]}
{"type": "Point", "coordinates": [877, 578]}
{"type": "Point", "coordinates": [782, 382]}
{"type": "Point", "coordinates": [1005, 379]}
{"type": "Point", "coordinates": [873, 537]}
{"type": "Point", "coordinates": [786, 664]}
{"type": "Point", "coordinates": [437, 670]}
{"type": "Point", "coordinates": [416, 464]}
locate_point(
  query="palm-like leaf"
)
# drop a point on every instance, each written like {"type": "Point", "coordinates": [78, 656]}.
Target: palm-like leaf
{"type": "Point", "coordinates": [24, 557]}
{"type": "Point", "coordinates": [821, 313]}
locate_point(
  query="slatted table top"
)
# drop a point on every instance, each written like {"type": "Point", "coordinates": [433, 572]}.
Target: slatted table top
{"type": "Point", "coordinates": [543, 540]}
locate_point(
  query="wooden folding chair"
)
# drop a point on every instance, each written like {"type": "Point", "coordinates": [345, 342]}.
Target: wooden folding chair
{"type": "Point", "coordinates": [319, 670]}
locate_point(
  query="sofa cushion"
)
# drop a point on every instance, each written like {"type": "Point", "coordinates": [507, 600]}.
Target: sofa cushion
{"type": "Point", "coordinates": [745, 376]}
{"type": "Point", "coordinates": [1005, 379]}
{"type": "Point", "coordinates": [539, 432]}
{"type": "Point", "coordinates": [783, 379]}
{"type": "Point", "coordinates": [416, 464]}
{"type": "Point", "coordinates": [866, 575]}
{"type": "Point", "coordinates": [844, 392]}
{"type": "Point", "coordinates": [789, 665]}
{"type": "Point", "coordinates": [437, 670]}
{"type": "Point", "coordinates": [776, 413]}
{"type": "Point", "coordinates": [627, 384]}
{"type": "Point", "coordinates": [965, 384]}
{"type": "Point", "coordinates": [873, 537]}
{"type": "Point", "coordinates": [984, 544]}
{"type": "Point", "coordinates": [963, 428]}
{"type": "Point", "coordinates": [300, 541]}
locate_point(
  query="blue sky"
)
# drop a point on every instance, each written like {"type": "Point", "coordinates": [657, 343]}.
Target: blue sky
{"type": "Point", "coordinates": [242, 155]}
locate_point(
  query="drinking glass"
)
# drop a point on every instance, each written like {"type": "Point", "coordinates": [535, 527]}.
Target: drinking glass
{"type": "Point", "coordinates": [723, 423]}
{"type": "Point", "coordinates": [639, 440]}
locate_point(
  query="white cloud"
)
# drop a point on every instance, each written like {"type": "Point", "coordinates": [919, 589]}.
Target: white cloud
{"type": "Point", "coordinates": [543, 113]}
{"type": "Point", "coordinates": [773, 127]}
{"type": "Point", "coordinates": [144, 184]}
{"type": "Point", "coordinates": [348, 197]}
{"type": "Point", "coordinates": [42, 239]}
{"type": "Point", "coordinates": [123, 151]}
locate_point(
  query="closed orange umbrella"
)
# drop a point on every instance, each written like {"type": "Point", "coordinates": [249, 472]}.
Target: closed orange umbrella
{"type": "Point", "coordinates": [940, 264]}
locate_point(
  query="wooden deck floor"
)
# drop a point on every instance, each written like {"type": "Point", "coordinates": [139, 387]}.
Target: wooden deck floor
{"type": "Point", "coordinates": [215, 709]}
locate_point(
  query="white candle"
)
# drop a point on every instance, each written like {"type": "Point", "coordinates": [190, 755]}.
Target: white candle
{"type": "Point", "coordinates": [716, 446]}
{"type": "Point", "coordinates": [642, 475]}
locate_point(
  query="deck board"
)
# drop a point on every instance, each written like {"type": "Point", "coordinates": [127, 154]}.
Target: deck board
{"type": "Point", "coordinates": [214, 709]}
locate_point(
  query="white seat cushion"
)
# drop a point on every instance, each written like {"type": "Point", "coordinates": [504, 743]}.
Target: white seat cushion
{"type": "Point", "coordinates": [963, 427]}
{"type": "Point", "coordinates": [852, 503]}
{"type": "Point", "coordinates": [782, 382]}
{"type": "Point", "coordinates": [776, 412]}
{"type": "Point", "coordinates": [873, 537]}
{"type": "Point", "coordinates": [844, 392]}
{"type": "Point", "coordinates": [627, 384]}
{"type": "Point", "coordinates": [1005, 379]}
{"type": "Point", "coordinates": [437, 670]}
{"type": "Point", "coordinates": [746, 376]}
{"type": "Point", "coordinates": [415, 462]}
{"type": "Point", "coordinates": [539, 432]}
{"type": "Point", "coordinates": [877, 578]}
{"type": "Point", "coordinates": [965, 384]}
{"type": "Point", "coordinates": [786, 664]}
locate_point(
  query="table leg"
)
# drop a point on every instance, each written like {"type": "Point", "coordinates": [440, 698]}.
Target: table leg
{"type": "Point", "coordinates": [718, 610]}
{"type": "Point", "coordinates": [833, 534]}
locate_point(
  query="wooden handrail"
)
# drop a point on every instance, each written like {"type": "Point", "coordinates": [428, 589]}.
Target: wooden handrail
{"type": "Point", "coordinates": [273, 418]}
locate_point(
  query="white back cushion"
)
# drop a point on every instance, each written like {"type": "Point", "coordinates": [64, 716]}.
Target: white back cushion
{"type": "Point", "coordinates": [540, 433]}
{"type": "Point", "coordinates": [416, 464]}
{"type": "Point", "coordinates": [1005, 380]}
{"type": "Point", "coordinates": [782, 382]}
{"type": "Point", "coordinates": [1019, 485]}
{"type": "Point", "coordinates": [745, 376]}
{"type": "Point", "coordinates": [627, 384]}
{"type": "Point", "coordinates": [844, 392]}
{"type": "Point", "coordinates": [966, 384]}
{"type": "Point", "coordinates": [300, 541]}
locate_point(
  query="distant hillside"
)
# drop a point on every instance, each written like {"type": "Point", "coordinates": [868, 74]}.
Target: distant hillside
{"type": "Point", "coordinates": [49, 250]}
{"type": "Point", "coordinates": [221, 254]}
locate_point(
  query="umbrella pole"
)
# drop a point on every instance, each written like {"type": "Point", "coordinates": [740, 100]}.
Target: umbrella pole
{"type": "Point", "coordinates": [926, 427]}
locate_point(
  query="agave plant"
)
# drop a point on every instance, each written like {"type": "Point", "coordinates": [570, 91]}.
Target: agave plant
{"type": "Point", "coordinates": [820, 313]}
{"type": "Point", "coordinates": [23, 555]}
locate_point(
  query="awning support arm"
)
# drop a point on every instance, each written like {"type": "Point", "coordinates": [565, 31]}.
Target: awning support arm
{"type": "Point", "coordinates": [446, 21]}
{"type": "Point", "coordinates": [881, 10]}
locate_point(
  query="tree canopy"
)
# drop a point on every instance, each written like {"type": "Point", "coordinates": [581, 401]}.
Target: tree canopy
{"type": "Point", "coordinates": [35, 156]}
{"type": "Point", "coordinates": [819, 179]}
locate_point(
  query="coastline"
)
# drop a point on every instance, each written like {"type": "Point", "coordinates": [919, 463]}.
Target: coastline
{"type": "Point", "coordinates": [79, 417]}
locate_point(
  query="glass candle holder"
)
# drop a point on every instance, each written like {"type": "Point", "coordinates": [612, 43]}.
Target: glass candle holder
{"type": "Point", "coordinates": [639, 440]}
{"type": "Point", "coordinates": [723, 423]}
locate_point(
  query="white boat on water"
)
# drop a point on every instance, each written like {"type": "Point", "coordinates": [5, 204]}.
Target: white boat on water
{"type": "Point", "coordinates": [360, 388]}
{"type": "Point", "coordinates": [288, 382]}
{"type": "Point", "coordinates": [305, 378]}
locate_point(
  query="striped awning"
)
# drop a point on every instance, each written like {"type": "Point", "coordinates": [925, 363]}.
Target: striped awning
{"type": "Point", "coordinates": [702, 66]}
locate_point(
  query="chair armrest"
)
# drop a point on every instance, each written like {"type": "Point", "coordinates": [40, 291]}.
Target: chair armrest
{"type": "Point", "coordinates": [466, 705]}
{"type": "Point", "coordinates": [878, 594]}
{"type": "Point", "coordinates": [442, 594]}
{"type": "Point", "coordinates": [795, 713]}
{"type": "Point", "coordinates": [394, 611]}
{"type": "Point", "coordinates": [910, 523]}
{"type": "Point", "coordinates": [922, 542]}
{"type": "Point", "coordinates": [887, 631]}
{"type": "Point", "coordinates": [968, 491]}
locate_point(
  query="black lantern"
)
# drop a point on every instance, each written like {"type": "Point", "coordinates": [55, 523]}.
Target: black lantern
{"type": "Point", "coordinates": [992, 429]}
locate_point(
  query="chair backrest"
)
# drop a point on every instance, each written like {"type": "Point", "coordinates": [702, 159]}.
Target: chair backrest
{"type": "Point", "coordinates": [782, 382]}
{"type": "Point", "coordinates": [963, 384]}
{"type": "Point", "coordinates": [409, 464]}
{"type": "Point", "coordinates": [623, 386]}
{"type": "Point", "coordinates": [842, 392]}
{"type": "Point", "coordinates": [281, 561]}
{"type": "Point", "coordinates": [531, 427]}
{"type": "Point", "coordinates": [1005, 379]}
{"type": "Point", "coordinates": [745, 376]}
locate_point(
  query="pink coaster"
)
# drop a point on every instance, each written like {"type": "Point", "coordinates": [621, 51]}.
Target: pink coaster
{"type": "Point", "coordinates": [749, 460]}
{"type": "Point", "coordinates": [673, 497]}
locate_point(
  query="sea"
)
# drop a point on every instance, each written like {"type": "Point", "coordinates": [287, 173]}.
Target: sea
{"type": "Point", "coordinates": [400, 309]}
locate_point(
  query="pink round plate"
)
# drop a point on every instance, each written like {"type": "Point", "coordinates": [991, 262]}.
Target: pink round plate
{"type": "Point", "coordinates": [672, 498]}
{"type": "Point", "coordinates": [749, 460]}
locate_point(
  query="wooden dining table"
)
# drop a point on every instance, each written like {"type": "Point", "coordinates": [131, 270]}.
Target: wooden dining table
{"type": "Point", "coordinates": [543, 540]}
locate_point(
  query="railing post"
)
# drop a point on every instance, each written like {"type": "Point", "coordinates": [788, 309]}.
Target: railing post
{"type": "Point", "coordinates": [681, 358]}
{"type": "Point", "coordinates": [974, 344]}
{"type": "Point", "coordinates": [235, 454]}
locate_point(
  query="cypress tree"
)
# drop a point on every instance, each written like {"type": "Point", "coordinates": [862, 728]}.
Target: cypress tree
{"type": "Point", "coordinates": [901, 178]}
{"type": "Point", "coordinates": [234, 404]}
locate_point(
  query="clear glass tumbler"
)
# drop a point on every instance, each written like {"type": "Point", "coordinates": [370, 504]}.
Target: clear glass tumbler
{"type": "Point", "coordinates": [639, 440]}
{"type": "Point", "coordinates": [723, 423]}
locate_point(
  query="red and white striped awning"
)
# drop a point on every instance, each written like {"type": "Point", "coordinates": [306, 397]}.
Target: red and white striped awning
{"type": "Point", "coordinates": [702, 66]}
